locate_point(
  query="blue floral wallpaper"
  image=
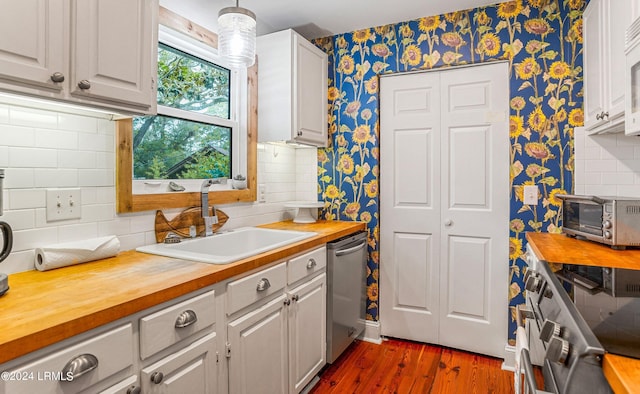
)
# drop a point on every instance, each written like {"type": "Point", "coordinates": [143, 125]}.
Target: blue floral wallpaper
{"type": "Point", "coordinates": [541, 39]}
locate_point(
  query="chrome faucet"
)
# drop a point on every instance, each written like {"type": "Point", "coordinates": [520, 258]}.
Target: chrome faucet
{"type": "Point", "coordinates": [209, 219]}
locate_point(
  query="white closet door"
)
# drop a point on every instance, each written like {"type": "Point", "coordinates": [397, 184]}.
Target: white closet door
{"type": "Point", "coordinates": [410, 206]}
{"type": "Point", "coordinates": [444, 202]}
{"type": "Point", "coordinates": [474, 248]}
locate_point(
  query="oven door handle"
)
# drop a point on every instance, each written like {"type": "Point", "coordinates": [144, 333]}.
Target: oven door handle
{"type": "Point", "coordinates": [594, 199]}
{"type": "Point", "coordinates": [595, 289]}
{"type": "Point", "coordinates": [529, 377]}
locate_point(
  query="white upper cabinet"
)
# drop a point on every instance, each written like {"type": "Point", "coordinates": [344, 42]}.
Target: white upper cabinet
{"type": "Point", "coordinates": [100, 53]}
{"type": "Point", "coordinates": [605, 22]}
{"type": "Point", "coordinates": [292, 93]}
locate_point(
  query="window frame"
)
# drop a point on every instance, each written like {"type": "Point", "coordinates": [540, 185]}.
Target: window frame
{"type": "Point", "coordinates": [127, 201]}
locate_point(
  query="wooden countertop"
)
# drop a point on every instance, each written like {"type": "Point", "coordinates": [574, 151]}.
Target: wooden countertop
{"type": "Point", "coordinates": [623, 373]}
{"type": "Point", "coordinates": [42, 308]}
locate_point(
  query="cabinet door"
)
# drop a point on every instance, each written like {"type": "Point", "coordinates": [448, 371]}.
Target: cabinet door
{"type": "Point", "coordinates": [257, 350]}
{"type": "Point", "coordinates": [618, 18]}
{"type": "Point", "coordinates": [32, 41]}
{"type": "Point", "coordinates": [190, 370]}
{"type": "Point", "coordinates": [310, 102]}
{"type": "Point", "coordinates": [307, 332]}
{"type": "Point", "coordinates": [115, 47]}
{"type": "Point", "coordinates": [594, 61]}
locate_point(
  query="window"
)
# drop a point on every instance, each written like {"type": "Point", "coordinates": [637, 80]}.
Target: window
{"type": "Point", "coordinates": [195, 134]}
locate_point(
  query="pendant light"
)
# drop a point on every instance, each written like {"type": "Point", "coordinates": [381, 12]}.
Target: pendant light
{"type": "Point", "coordinates": [237, 36]}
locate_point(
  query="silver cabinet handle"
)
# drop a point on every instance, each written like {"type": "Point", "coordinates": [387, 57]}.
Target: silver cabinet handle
{"type": "Point", "coordinates": [263, 284]}
{"type": "Point", "coordinates": [312, 263]}
{"type": "Point", "coordinates": [157, 377]}
{"type": "Point", "coordinates": [342, 252]}
{"type": "Point", "coordinates": [57, 77]}
{"type": "Point", "coordinates": [186, 318]}
{"type": "Point", "coordinates": [80, 365]}
{"type": "Point", "coordinates": [84, 84]}
{"type": "Point", "coordinates": [134, 390]}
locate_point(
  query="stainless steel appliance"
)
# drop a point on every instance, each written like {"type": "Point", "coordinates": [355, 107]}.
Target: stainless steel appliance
{"type": "Point", "coordinates": [346, 292]}
{"type": "Point", "coordinates": [559, 338]}
{"type": "Point", "coordinates": [7, 242]}
{"type": "Point", "coordinates": [616, 282]}
{"type": "Point", "coordinates": [613, 221]}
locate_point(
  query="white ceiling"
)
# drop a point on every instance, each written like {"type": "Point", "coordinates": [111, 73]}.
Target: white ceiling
{"type": "Point", "coordinates": [320, 18]}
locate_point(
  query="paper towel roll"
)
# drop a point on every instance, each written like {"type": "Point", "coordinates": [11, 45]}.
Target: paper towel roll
{"type": "Point", "coordinates": [71, 253]}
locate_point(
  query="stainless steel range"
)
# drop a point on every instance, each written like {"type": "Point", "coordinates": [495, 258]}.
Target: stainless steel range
{"type": "Point", "coordinates": [558, 338]}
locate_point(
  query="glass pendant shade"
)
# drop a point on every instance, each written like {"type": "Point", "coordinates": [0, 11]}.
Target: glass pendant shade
{"type": "Point", "coordinates": [237, 36]}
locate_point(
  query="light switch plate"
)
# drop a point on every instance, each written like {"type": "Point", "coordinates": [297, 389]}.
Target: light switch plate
{"type": "Point", "coordinates": [531, 194]}
{"type": "Point", "coordinates": [262, 192]}
{"type": "Point", "coordinates": [63, 204]}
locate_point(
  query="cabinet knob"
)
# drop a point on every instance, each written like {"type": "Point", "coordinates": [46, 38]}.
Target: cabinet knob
{"type": "Point", "coordinates": [287, 301]}
{"type": "Point", "coordinates": [57, 77]}
{"type": "Point", "coordinates": [605, 114]}
{"type": "Point", "coordinates": [157, 377]}
{"type": "Point", "coordinates": [598, 117]}
{"type": "Point", "coordinates": [84, 84]}
{"type": "Point", "coordinates": [448, 222]}
{"type": "Point", "coordinates": [312, 263]}
{"type": "Point", "coordinates": [263, 284]}
{"type": "Point", "coordinates": [80, 365]}
{"type": "Point", "coordinates": [186, 318]}
{"type": "Point", "coordinates": [134, 390]}
{"type": "Point", "coordinates": [295, 297]}
{"type": "Point", "coordinates": [299, 133]}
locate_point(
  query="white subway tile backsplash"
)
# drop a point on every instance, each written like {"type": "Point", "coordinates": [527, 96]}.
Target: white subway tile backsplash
{"type": "Point", "coordinates": [22, 116]}
{"type": "Point", "coordinates": [96, 177]}
{"type": "Point", "coordinates": [600, 165]}
{"type": "Point", "coordinates": [617, 153]}
{"type": "Point", "coordinates": [17, 136]}
{"type": "Point", "coordinates": [34, 238]}
{"type": "Point", "coordinates": [77, 232]}
{"type": "Point", "coordinates": [76, 159]}
{"type": "Point", "coordinates": [629, 165]}
{"type": "Point", "coordinates": [53, 178]}
{"type": "Point", "coordinates": [32, 157]}
{"type": "Point", "coordinates": [56, 139]}
{"type": "Point", "coordinates": [617, 178]}
{"type": "Point", "coordinates": [105, 159]}
{"type": "Point", "coordinates": [80, 123]}
{"type": "Point", "coordinates": [629, 190]}
{"type": "Point", "coordinates": [19, 178]}
{"type": "Point", "coordinates": [96, 142]}
{"type": "Point", "coordinates": [105, 195]}
{"type": "Point", "coordinates": [27, 198]}
{"type": "Point", "coordinates": [18, 262]}
{"type": "Point", "coordinates": [4, 113]}
{"type": "Point", "coordinates": [132, 241]}
{"type": "Point", "coordinates": [4, 156]}
{"type": "Point", "coordinates": [20, 219]}
{"type": "Point", "coordinates": [119, 226]}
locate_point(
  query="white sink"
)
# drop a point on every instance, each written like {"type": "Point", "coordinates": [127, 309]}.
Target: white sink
{"type": "Point", "coordinates": [227, 247]}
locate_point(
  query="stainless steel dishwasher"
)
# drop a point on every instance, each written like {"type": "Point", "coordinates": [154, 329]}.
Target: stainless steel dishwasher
{"type": "Point", "coordinates": [346, 292]}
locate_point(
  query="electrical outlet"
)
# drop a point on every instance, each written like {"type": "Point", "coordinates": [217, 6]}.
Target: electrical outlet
{"type": "Point", "coordinates": [63, 204]}
{"type": "Point", "coordinates": [262, 192]}
{"type": "Point", "coordinates": [531, 194]}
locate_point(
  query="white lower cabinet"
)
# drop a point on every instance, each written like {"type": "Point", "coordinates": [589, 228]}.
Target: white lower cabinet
{"type": "Point", "coordinates": [127, 386]}
{"type": "Point", "coordinates": [280, 345]}
{"type": "Point", "coordinates": [189, 370]}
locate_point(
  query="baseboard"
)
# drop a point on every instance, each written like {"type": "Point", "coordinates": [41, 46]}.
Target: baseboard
{"type": "Point", "coordinates": [509, 358]}
{"type": "Point", "coordinates": [371, 332]}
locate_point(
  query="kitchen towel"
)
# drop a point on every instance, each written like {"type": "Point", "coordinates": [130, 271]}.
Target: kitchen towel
{"type": "Point", "coordinates": [71, 253]}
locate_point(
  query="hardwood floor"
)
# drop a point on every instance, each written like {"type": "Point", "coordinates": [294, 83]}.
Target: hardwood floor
{"type": "Point", "coordinates": [399, 366]}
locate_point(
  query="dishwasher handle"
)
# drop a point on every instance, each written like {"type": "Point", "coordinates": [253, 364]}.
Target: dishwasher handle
{"type": "Point", "coordinates": [342, 252]}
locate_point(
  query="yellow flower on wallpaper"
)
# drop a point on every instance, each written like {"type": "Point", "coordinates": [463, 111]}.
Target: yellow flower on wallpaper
{"type": "Point", "coordinates": [352, 210]}
{"type": "Point", "coordinates": [342, 42]}
{"type": "Point", "coordinates": [372, 292]}
{"type": "Point", "coordinates": [515, 248]}
{"type": "Point", "coordinates": [371, 85]}
{"type": "Point", "coordinates": [537, 26]}
{"type": "Point", "coordinates": [516, 126]}
{"type": "Point", "coordinates": [346, 65]}
{"type": "Point", "coordinates": [341, 141]}
{"type": "Point", "coordinates": [510, 9]}
{"type": "Point", "coordinates": [361, 36]}
{"type": "Point", "coordinates": [560, 116]}
{"type": "Point", "coordinates": [489, 44]}
{"type": "Point", "coordinates": [482, 18]}
{"type": "Point", "coordinates": [576, 117]}
{"type": "Point", "coordinates": [537, 150]}
{"type": "Point", "coordinates": [537, 119]}
{"type": "Point", "coordinates": [405, 31]}
{"type": "Point", "coordinates": [527, 68]}
{"type": "Point", "coordinates": [366, 114]}
{"type": "Point", "coordinates": [332, 192]}
{"type": "Point", "coordinates": [429, 23]}
{"type": "Point", "coordinates": [381, 50]}
{"type": "Point", "coordinates": [412, 55]}
{"type": "Point", "coordinates": [452, 17]}
{"type": "Point", "coordinates": [537, 3]}
{"type": "Point", "coordinates": [361, 134]}
{"type": "Point", "coordinates": [365, 217]}
{"type": "Point", "coordinates": [333, 93]}
{"type": "Point", "coordinates": [452, 39]}
{"type": "Point", "coordinates": [575, 34]}
{"type": "Point", "coordinates": [345, 164]}
{"type": "Point", "coordinates": [555, 201]}
{"type": "Point", "coordinates": [371, 188]}
{"type": "Point", "coordinates": [516, 225]}
{"type": "Point", "coordinates": [576, 4]}
{"type": "Point", "coordinates": [322, 156]}
{"type": "Point", "coordinates": [352, 109]}
{"type": "Point", "coordinates": [517, 103]}
{"type": "Point", "coordinates": [559, 70]}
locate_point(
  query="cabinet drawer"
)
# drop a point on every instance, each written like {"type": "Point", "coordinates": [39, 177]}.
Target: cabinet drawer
{"type": "Point", "coordinates": [175, 323]}
{"type": "Point", "coordinates": [307, 264]}
{"type": "Point", "coordinates": [100, 357]}
{"type": "Point", "coordinates": [244, 292]}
